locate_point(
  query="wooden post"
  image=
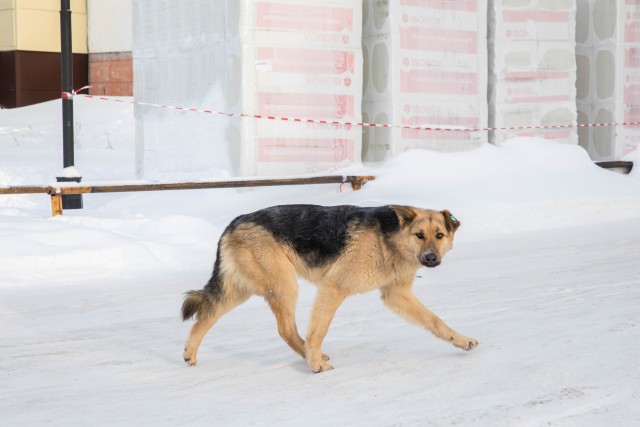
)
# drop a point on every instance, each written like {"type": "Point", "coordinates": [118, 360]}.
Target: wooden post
{"type": "Point", "coordinates": [56, 204]}
{"type": "Point", "coordinates": [358, 181]}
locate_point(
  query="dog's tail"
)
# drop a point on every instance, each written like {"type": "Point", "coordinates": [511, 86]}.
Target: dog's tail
{"type": "Point", "coordinates": [197, 303]}
{"type": "Point", "coordinates": [202, 303]}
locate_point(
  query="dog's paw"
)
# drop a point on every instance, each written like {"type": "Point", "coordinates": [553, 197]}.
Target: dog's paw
{"type": "Point", "coordinates": [321, 367]}
{"type": "Point", "coordinates": [325, 357]}
{"type": "Point", "coordinates": [190, 359]}
{"type": "Point", "coordinates": [471, 344]}
{"type": "Point", "coordinates": [465, 343]}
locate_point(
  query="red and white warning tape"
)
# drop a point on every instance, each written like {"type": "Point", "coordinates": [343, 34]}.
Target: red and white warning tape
{"type": "Point", "coordinates": [70, 95]}
{"type": "Point", "coordinates": [67, 95]}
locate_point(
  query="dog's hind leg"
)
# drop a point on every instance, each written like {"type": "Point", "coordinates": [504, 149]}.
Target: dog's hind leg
{"type": "Point", "coordinates": [198, 331]}
{"type": "Point", "coordinates": [278, 285]}
{"type": "Point", "coordinates": [282, 299]}
{"type": "Point", "coordinates": [283, 304]}
{"type": "Point", "coordinates": [324, 309]}
{"type": "Point", "coordinates": [206, 322]}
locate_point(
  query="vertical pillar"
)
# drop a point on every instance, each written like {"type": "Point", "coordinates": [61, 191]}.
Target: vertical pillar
{"type": "Point", "coordinates": [69, 201]}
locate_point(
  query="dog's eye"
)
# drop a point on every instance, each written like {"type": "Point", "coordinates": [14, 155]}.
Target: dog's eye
{"type": "Point", "coordinates": [420, 235]}
{"type": "Point", "coordinates": [439, 236]}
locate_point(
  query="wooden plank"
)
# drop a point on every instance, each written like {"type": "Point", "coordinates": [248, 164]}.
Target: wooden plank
{"type": "Point", "coordinates": [56, 191]}
{"type": "Point", "coordinates": [24, 189]}
{"type": "Point", "coordinates": [56, 204]}
{"type": "Point", "coordinates": [355, 181]}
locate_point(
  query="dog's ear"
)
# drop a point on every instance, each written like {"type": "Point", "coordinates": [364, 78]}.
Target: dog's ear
{"type": "Point", "coordinates": [406, 214]}
{"type": "Point", "coordinates": [451, 222]}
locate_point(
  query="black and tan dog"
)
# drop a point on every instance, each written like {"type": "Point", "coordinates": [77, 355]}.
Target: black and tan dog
{"type": "Point", "coordinates": [344, 250]}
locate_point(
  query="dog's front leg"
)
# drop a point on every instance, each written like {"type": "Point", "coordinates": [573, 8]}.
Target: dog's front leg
{"type": "Point", "coordinates": [327, 302]}
{"type": "Point", "coordinates": [402, 301]}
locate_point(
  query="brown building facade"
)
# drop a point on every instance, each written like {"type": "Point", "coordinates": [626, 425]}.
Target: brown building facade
{"type": "Point", "coordinates": [28, 77]}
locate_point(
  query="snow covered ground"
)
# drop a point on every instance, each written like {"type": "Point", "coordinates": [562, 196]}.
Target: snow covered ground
{"type": "Point", "coordinates": [545, 274]}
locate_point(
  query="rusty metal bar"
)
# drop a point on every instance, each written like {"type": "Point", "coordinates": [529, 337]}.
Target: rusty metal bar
{"type": "Point", "coordinates": [56, 191]}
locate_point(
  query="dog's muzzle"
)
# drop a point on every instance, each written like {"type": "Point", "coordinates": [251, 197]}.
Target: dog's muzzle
{"type": "Point", "coordinates": [429, 259]}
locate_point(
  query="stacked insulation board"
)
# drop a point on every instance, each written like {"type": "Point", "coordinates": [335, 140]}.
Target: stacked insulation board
{"type": "Point", "coordinates": [608, 86]}
{"type": "Point", "coordinates": [425, 65]}
{"type": "Point", "coordinates": [532, 68]}
{"type": "Point", "coordinates": [463, 65]}
{"type": "Point", "coordinates": [298, 59]}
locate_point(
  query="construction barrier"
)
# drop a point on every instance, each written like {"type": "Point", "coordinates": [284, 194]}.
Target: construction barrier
{"type": "Point", "coordinates": [57, 191]}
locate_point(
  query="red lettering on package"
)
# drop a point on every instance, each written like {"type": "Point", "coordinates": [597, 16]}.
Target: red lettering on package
{"type": "Point", "coordinates": [295, 150]}
{"type": "Point", "coordinates": [279, 16]}
{"type": "Point", "coordinates": [439, 82]}
{"type": "Point", "coordinates": [296, 60]}
{"type": "Point", "coordinates": [632, 32]}
{"type": "Point", "coordinates": [632, 95]}
{"type": "Point", "coordinates": [435, 135]}
{"type": "Point", "coordinates": [536, 99]}
{"type": "Point", "coordinates": [632, 57]}
{"type": "Point", "coordinates": [632, 115]}
{"type": "Point", "coordinates": [534, 15]}
{"type": "Point", "coordinates": [464, 5]}
{"type": "Point", "coordinates": [547, 133]}
{"type": "Point", "coordinates": [442, 121]}
{"type": "Point", "coordinates": [439, 40]}
{"type": "Point", "coordinates": [536, 75]}
{"type": "Point", "coordinates": [305, 105]}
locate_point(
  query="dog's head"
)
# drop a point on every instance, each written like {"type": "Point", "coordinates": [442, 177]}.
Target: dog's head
{"type": "Point", "coordinates": [428, 234]}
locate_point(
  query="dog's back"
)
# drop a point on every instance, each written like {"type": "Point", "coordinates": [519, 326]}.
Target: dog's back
{"type": "Point", "coordinates": [318, 234]}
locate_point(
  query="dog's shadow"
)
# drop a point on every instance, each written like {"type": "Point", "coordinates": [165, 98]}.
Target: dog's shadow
{"type": "Point", "coordinates": [249, 359]}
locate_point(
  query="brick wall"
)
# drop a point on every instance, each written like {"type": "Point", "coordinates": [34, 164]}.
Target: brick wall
{"type": "Point", "coordinates": [111, 74]}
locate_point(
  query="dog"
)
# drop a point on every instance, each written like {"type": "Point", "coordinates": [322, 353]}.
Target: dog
{"type": "Point", "coordinates": [344, 250]}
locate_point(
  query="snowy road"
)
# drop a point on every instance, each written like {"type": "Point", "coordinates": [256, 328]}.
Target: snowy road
{"type": "Point", "coordinates": [556, 312]}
